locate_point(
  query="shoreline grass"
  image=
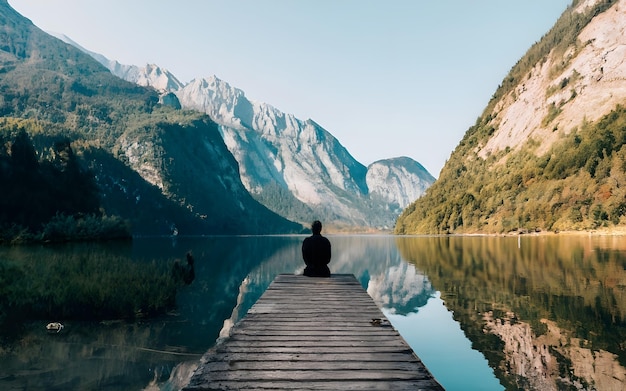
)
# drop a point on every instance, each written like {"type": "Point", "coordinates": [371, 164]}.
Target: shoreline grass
{"type": "Point", "coordinates": [87, 286]}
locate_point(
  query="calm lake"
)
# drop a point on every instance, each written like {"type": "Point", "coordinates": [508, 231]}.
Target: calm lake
{"type": "Point", "coordinates": [483, 313]}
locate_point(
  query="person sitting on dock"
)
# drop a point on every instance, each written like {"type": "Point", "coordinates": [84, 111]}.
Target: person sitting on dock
{"type": "Point", "coordinates": [316, 252]}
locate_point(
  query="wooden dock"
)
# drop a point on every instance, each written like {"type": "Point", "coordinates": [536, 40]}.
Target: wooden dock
{"type": "Point", "coordinates": [313, 334]}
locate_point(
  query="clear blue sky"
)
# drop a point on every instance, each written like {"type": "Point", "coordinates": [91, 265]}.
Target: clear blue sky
{"type": "Point", "coordinates": [386, 78]}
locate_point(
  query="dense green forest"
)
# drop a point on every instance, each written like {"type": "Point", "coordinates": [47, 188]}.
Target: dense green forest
{"type": "Point", "coordinates": [577, 185]}
{"type": "Point", "coordinates": [51, 198]}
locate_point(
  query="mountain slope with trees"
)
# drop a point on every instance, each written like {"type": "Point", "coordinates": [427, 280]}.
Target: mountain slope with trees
{"type": "Point", "coordinates": [548, 152]}
{"type": "Point", "coordinates": [161, 169]}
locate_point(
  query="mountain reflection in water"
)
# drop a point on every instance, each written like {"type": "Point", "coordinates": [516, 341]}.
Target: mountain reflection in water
{"type": "Point", "coordinates": [547, 312]}
{"type": "Point", "coordinates": [544, 313]}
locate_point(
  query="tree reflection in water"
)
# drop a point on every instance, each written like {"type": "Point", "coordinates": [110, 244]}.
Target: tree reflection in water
{"type": "Point", "coordinates": [548, 314]}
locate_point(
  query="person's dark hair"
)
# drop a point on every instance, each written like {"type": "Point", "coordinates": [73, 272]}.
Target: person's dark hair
{"type": "Point", "coordinates": [316, 227]}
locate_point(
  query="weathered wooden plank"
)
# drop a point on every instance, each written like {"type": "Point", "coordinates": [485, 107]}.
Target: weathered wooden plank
{"type": "Point", "coordinates": [328, 305]}
{"type": "Point", "coordinates": [348, 385]}
{"type": "Point", "coordinates": [347, 332]}
{"type": "Point", "coordinates": [314, 374]}
{"type": "Point", "coordinates": [315, 322]}
{"type": "Point", "coordinates": [311, 357]}
{"type": "Point", "coordinates": [317, 334]}
{"type": "Point", "coordinates": [228, 348]}
{"type": "Point", "coordinates": [318, 344]}
{"type": "Point", "coordinates": [327, 313]}
{"type": "Point", "coordinates": [295, 337]}
{"type": "Point", "coordinates": [353, 365]}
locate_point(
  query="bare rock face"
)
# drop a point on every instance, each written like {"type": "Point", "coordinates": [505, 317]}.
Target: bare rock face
{"type": "Point", "coordinates": [584, 83]}
{"type": "Point", "coordinates": [398, 181]}
{"type": "Point", "coordinates": [534, 357]}
{"type": "Point", "coordinates": [277, 150]}
{"type": "Point", "coordinates": [294, 167]}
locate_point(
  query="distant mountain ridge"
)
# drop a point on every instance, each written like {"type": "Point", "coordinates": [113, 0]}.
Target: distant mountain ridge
{"type": "Point", "coordinates": [548, 151]}
{"type": "Point", "coordinates": [148, 76]}
{"type": "Point", "coordinates": [299, 159]}
{"type": "Point", "coordinates": [276, 148]}
{"type": "Point", "coordinates": [294, 167]}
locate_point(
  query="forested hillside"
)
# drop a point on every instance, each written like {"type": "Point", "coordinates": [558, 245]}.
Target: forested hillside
{"type": "Point", "coordinates": [55, 199]}
{"type": "Point", "coordinates": [548, 152]}
{"type": "Point", "coordinates": [159, 169]}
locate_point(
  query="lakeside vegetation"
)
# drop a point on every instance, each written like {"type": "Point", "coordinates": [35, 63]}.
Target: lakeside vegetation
{"type": "Point", "coordinates": [575, 186]}
{"type": "Point", "coordinates": [88, 286]}
{"type": "Point", "coordinates": [49, 197]}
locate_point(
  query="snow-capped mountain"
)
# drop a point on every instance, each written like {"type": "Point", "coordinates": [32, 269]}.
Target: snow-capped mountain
{"type": "Point", "coordinates": [294, 167]}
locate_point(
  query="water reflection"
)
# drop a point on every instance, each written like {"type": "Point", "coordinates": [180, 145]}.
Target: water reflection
{"type": "Point", "coordinates": [548, 314]}
{"type": "Point", "coordinates": [401, 289]}
{"type": "Point", "coordinates": [442, 345]}
{"type": "Point", "coordinates": [145, 354]}
{"type": "Point", "coordinates": [543, 313]}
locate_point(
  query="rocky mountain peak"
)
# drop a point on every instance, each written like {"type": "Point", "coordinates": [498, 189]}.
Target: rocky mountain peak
{"type": "Point", "coordinates": [160, 79]}
{"type": "Point", "coordinates": [294, 167]}
{"type": "Point", "coordinates": [215, 96]}
{"type": "Point", "coordinates": [399, 181]}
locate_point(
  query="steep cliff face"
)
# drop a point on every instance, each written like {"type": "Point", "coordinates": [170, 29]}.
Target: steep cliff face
{"type": "Point", "coordinates": [583, 82]}
{"type": "Point", "coordinates": [287, 161]}
{"type": "Point", "coordinates": [277, 151]}
{"type": "Point", "coordinates": [399, 181]}
{"type": "Point", "coordinates": [297, 168]}
{"type": "Point", "coordinates": [548, 151]}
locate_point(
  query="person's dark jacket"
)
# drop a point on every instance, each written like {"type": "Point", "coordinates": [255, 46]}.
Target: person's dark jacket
{"type": "Point", "coordinates": [316, 255]}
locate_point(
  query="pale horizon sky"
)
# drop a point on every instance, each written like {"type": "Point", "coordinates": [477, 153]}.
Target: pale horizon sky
{"type": "Point", "coordinates": [386, 78]}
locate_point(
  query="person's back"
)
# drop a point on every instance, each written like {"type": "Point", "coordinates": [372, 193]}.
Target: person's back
{"type": "Point", "coordinates": [316, 253]}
